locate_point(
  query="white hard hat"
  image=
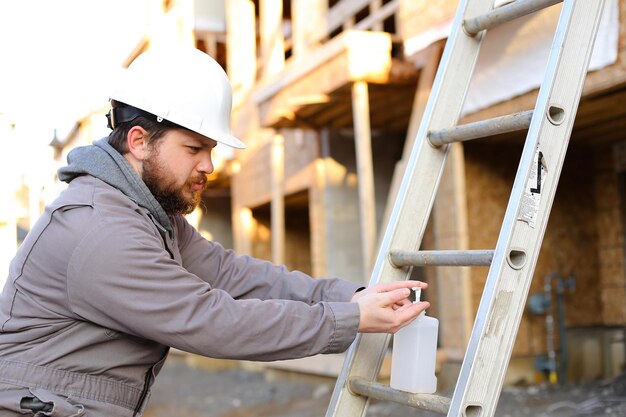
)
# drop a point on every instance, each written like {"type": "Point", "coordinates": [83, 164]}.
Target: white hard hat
{"type": "Point", "coordinates": [182, 85]}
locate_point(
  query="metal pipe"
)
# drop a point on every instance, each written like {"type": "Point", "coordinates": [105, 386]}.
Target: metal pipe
{"type": "Point", "coordinates": [562, 284]}
{"type": "Point", "coordinates": [435, 403]}
{"type": "Point", "coordinates": [505, 13]}
{"type": "Point", "coordinates": [497, 125]}
{"type": "Point", "coordinates": [547, 287]}
{"type": "Point", "coordinates": [441, 258]}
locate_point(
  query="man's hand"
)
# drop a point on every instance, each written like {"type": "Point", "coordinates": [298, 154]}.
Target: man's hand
{"type": "Point", "coordinates": [386, 308]}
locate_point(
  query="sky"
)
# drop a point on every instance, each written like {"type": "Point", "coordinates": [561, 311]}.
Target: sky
{"type": "Point", "coordinates": [57, 58]}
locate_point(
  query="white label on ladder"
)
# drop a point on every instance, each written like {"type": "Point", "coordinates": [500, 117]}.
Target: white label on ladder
{"type": "Point", "coordinates": [532, 190]}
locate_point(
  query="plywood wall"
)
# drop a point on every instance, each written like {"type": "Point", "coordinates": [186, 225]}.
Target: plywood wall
{"type": "Point", "coordinates": [576, 240]}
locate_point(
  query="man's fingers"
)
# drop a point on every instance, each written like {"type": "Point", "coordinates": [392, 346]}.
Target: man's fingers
{"type": "Point", "coordinates": [402, 302]}
{"type": "Point", "coordinates": [407, 313]}
{"type": "Point", "coordinates": [395, 296]}
{"type": "Point", "coordinates": [412, 308]}
{"type": "Point", "coordinates": [390, 286]}
{"type": "Point", "coordinates": [387, 312]}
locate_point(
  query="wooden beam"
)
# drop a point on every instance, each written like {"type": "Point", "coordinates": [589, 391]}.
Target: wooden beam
{"type": "Point", "coordinates": [344, 119]}
{"type": "Point", "coordinates": [375, 48]}
{"type": "Point", "coordinates": [365, 171]}
{"type": "Point", "coordinates": [341, 13]}
{"type": "Point", "coordinates": [329, 116]}
{"type": "Point", "coordinates": [608, 130]}
{"type": "Point", "coordinates": [390, 104]}
{"type": "Point", "coordinates": [594, 110]}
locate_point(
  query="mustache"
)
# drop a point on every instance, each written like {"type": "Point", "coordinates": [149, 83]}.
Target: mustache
{"type": "Point", "coordinates": [199, 179]}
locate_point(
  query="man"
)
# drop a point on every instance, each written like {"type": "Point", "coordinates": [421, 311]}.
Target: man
{"type": "Point", "coordinates": [112, 275]}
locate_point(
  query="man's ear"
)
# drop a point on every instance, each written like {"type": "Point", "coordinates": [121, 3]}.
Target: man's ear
{"type": "Point", "coordinates": [137, 139]}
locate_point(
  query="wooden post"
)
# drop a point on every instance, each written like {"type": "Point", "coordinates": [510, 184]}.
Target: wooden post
{"type": "Point", "coordinates": [317, 205]}
{"type": "Point", "coordinates": [210, 41]}
{"type": "Point", "coordinates": [241, 47]}
{"type": "Point", "coordinates": [272, 41]}
{"type": "Point", "coordinates": [424, 85]}
{"type": "Point", "coordinates": [374, 7]}
{"type": "Point", "coordinates": [451, 230]}
{"type": "Point", "coordinates": [278, 200]}
{"type": "Point", "coordinates": [309, 19]}
{"type": "Point", "coordinates": [365, 171]}
{"type": "Point", "coordinates": [243, 225]}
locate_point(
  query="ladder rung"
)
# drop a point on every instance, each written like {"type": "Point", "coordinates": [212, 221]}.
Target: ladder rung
{"type": "Point", "coordinates": [505, 14]}
{"type": "Point", "coordinates": [428, 402]}
{"type": "Point", "coordinates": [489, 127]}
{"type": "Point", "coordinates": [441, 258]}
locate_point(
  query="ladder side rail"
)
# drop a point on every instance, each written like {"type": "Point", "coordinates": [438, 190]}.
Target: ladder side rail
{"type": "Point", "coordinates": [503, 301]}
{"type": "Point", "coordinates": [407, 222]}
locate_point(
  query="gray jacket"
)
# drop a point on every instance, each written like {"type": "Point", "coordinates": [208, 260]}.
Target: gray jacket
{"type": "Point", "coordinates": [105, 283]}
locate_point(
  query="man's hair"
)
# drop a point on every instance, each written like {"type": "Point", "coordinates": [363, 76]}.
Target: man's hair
{"type": "Point", "coordinates": [155, 129]}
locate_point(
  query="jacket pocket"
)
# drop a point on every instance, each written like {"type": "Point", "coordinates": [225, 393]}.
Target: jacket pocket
{"type": "Point", "coordinates": [53, 405]}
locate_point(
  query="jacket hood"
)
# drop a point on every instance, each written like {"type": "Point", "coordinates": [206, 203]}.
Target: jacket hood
{"type": "Point", "coordinates": [102, 161]}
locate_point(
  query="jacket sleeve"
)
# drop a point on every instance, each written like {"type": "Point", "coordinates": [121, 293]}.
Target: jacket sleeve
{"type": "Point", "coordinates": [246, 277]}
{"type": "Point", "coordinates": [122, 278]}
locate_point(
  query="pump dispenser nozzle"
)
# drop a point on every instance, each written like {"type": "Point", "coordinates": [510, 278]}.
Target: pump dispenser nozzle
{"type": "Point", "coordinates": [417, 291]}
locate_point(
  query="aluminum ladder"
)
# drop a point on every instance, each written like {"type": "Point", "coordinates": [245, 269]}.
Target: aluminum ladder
{"type": "Point", "coordinates": [513, 260]}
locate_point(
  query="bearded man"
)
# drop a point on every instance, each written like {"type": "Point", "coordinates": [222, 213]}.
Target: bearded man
{"type": "Point", "coordinates": [112, 275]}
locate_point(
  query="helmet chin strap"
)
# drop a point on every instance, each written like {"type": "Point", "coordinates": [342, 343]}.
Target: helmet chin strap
{"type": "Point", "coordinates": [118, 115]}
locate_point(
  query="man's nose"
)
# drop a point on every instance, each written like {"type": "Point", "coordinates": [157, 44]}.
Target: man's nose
{"type": "Point", "coordinates": [206, 163]}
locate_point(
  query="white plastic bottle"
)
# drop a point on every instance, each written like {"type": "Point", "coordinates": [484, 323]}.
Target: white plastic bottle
{"type": "Point", "coordinates": [414, 355]}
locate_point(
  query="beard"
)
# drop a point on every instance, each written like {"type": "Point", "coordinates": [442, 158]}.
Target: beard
{"type": "Point", "coordinates": [170, 196]}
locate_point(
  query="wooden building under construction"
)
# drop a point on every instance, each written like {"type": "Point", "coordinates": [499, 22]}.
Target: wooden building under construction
{"type": "Point", "coordinates": [328, 96]}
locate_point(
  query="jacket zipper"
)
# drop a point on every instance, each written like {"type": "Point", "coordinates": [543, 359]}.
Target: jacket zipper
{"type": "Point", "coordinates": [144, 393]}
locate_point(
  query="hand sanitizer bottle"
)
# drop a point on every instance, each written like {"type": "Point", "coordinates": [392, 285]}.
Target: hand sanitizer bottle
{"type": "Point", "coordinates": [414, 354]}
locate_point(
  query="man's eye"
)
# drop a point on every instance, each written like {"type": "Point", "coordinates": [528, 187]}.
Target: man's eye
{"type": "Point", "coordinates": [194, 149]}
